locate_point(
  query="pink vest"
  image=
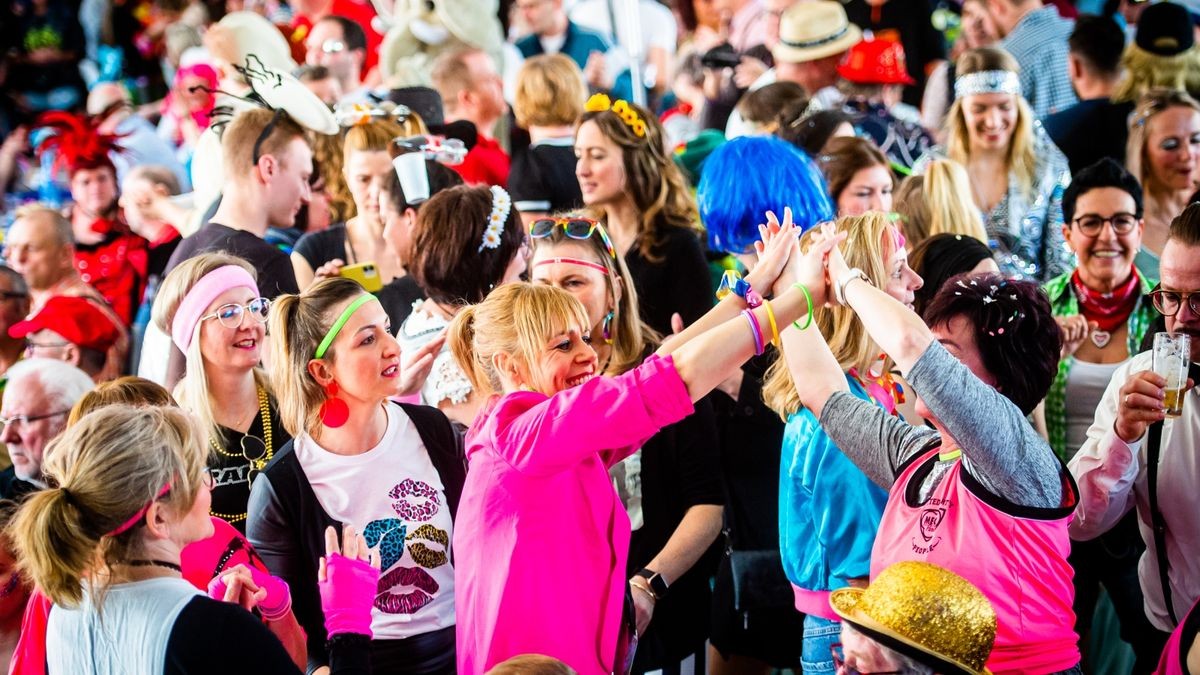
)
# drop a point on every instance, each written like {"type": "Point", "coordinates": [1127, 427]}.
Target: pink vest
{"type": "Point", "coordinates": [1016, 555]}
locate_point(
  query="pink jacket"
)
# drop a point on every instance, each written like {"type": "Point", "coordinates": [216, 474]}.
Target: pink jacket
{"type": "Point", "coordinates": [540, 538]}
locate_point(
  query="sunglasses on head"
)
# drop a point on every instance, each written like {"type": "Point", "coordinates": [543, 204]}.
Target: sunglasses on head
{"type": "Point", "coordinates": [575, 228]}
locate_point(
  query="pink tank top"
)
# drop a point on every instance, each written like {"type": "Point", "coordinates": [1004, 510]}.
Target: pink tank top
{"type": "Point", "coordinates": [1016, 555]}
{"type": "Point", "coordinates": [1175, 653]}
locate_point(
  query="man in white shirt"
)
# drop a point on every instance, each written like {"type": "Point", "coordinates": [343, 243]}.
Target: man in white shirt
{"type": "Point", "coordinates": [1113, 468]}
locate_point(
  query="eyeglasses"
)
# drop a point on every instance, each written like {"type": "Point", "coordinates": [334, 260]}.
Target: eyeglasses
{"type": "Point", "coordinates": [333, 46]}
{"type": "Point", "coordinates": [1168, 303]}
{"type": "Point", "coordinates": [839, 663]}
{"type": "Point", "coordinates": [575, 228]}
{"type": "Point", "coordinates": [26, 419]}
{"type": "Point", "coordinates": [266, 133]}
{"type": "Point", "coordinates": [1091, 225]}
{"type": "Point", "coordinates": [231, 315]}
{"type": "Point", "coordinates": [13, 295]}
{"type": "Point", "coordinates": [33, 346]}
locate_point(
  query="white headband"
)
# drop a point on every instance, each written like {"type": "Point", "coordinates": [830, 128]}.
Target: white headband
{"type": "Point", "coordinates": [987, 82]}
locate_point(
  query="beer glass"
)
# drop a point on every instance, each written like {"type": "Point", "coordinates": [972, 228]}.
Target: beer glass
{"type": "Point", "coordinates": [1172, 356]}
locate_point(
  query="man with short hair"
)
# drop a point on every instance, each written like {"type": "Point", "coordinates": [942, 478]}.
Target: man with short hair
{"type": "Point", "coordinates": [472, 90]}
{"type": "Point", "coordinates": [551, 32]}
{"type": "Point", "coordinates": [1095, 127]}
{"type": "Point", "coordinates": [40, 248]}
{"type": "Point", "coordinates": [321, 82]}
{"type": "Point", "coordinates": [70, 329]}
{"type": "Point", "coordinates": [1036, 36]}
{"type": "Point", "coordinates": [33, 410]}
{"type": "Point", "coordinates": [307, 13]}
{"type": "Point", "coordinates": [340, 45]}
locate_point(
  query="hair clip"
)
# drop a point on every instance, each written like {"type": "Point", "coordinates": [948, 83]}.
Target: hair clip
{"type": "Point", "coordinates": [357, 114]}
{"type": "Point", "coordinates": [448, 151]}
{"type": "Point", "coordinates": [621, 108]}
{"type": "Point", "coordinates": [501, 207]}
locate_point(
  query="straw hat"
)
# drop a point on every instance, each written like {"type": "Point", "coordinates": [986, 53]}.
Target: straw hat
{"type": "Point", "coordinates": [925, 612]}
{"type": "Point", "coordinates": [813, 30]}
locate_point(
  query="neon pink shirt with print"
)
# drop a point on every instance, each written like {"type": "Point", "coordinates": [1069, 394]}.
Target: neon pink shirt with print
{"type": "Point", "coordinates": [541, 538]}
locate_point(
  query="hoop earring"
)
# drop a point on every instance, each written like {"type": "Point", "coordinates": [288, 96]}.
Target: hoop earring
{"type": "Point", "coordinates": [334, 411]}
{"type": "Point", "coordinates": [606, 328]}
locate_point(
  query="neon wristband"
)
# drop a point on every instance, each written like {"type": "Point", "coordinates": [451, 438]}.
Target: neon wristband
{"type": "Point", "coordinates": [755, 331]}
{"type": "Point", "coordinates": [808, 298]}
{"type": "Point", "coordinates": [771, 320]}
{"type": "Point", "coordinates": [341, 321]}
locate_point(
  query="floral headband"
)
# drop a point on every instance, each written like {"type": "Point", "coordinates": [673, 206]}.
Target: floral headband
{"type": "Point", "coordinates": [987, 82]}
{"type": "Point", "coordinates": [501, 208]}
{"type": "Point", "coordinates": [358, 114]}
{"type": "Point", "coordinates": [621, 108]}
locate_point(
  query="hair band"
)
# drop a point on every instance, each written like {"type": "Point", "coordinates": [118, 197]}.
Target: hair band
{"type": "Point", "coordinates": [341, 321]}
{"type": "Point", "coordinates": [141, 513]}
{"type": "Point", "coordinates": [620, 108]}
{"type": "Point", "coordinates": [201, 295]}
{"type": "Point", "coordinates": [413, 176]}
{"type": "Point", "coordinates": [574, 261]}
{"type": "Point", "coordinates": [987, 82]}
{"type": "Point", "coordinates": [501, 208]}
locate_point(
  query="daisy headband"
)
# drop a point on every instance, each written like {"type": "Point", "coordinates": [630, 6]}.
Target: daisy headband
{"type": "Point", "coordinates": [501, 208]}
{"type": "Point", "coordinates": [621, 108]}
{"type": "Point", "coordinates": [987, 82]}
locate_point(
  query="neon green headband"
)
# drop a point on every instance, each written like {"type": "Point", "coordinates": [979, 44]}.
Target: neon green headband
{"type": "Point", "coordinates": [337, 325]}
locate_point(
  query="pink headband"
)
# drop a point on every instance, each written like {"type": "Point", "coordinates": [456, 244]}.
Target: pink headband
{"type": "Point", "coordinates": [201, 296]}
{"type": "Point", "coordinates": [141, 513]}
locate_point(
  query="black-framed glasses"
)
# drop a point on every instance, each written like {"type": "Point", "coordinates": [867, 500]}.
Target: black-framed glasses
{"type": "Point", "coordinates": [13, 295]}
{"type": "Point", "coordinates": [575, 228]}
{"type": "Point", "coordinates": [1091, 224]}
{"type": "Point", "coordinates": [1168, 303]}
{"type": "Point", "coordinates": [230, 315]}
{"type": "Point", "coordinates": [266, 133]}
{"type": "Point", "coordinates": [839, 663]}
{"type": "Point", "coordinates": [26, 419]}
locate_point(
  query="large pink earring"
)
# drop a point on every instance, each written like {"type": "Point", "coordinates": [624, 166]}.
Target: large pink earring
{"type": "Point", "coordinates": [334, 411]}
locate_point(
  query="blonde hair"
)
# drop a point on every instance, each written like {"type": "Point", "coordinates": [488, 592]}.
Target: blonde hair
{"type": "Point", "coordinates": [515, 319]}
{"type": "Point", "coordinates": [192, 391]}
{"type": "Point", "coordinates": [532, 664]}
{"type": "Point", "coordinates": [327, 159]}
{"type": "Point", "coordinates": [550, 92]}
{"type": "Point", "coordinates": [1149, 106]}
{"type": "Point", "coordinates": [298, 323]}
{"type": "Point", "coordinates": [1145, 71]}
{"type": "Point", "coordinates": [128, 390]}
{"type": "Point", "coordinates": [938, 202]}
{"type": "Point", "coordinates": [373, 136]}
{"type": "Point", "coordinates": [1021, 158]}
{"type": "Point", "coordinates": [239, 137]}
{"type": "Point", "coordinates": [107, 467]}
{"type": "Point", "coordinates": [843, 330]}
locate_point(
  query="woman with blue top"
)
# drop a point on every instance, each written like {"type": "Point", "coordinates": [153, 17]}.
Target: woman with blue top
{"type": "Point", "coordinates": [1017, 174]}
{"type": "Point", "coordinates": [829, 510]}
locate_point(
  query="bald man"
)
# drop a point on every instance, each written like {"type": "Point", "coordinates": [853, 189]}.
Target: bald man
{"type": "Point", "coordinates": [110, 102]}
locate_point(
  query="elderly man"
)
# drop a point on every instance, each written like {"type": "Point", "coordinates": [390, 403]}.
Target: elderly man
{"type": "Point", "coordinates": [70, 329]}
{"type": "Point", "coordinates": [34, 408]}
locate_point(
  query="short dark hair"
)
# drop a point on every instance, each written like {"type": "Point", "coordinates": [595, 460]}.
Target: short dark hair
{"type": "Point", "coordinates": [311, 73]}
{"type": "Point", "coordinates": [352, 33]}
{"type": "Point", "coordinates": [942, 257]}
{"type": "Point", "coordinates": [1106, 173]}
{"type": "Point", "coordinates": [763, 106]}
{"type": "Point", "coordinates": [1185, 228]}
{"type": "Point", "coordinates": [1099, 42]}
{"type": "Point", "coordinates": [1015, 332]}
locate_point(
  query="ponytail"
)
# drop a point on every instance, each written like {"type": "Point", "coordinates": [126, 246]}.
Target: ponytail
{"type": "Point", "coordinates": [460, 335]}
{"type": "Point", "coordinates": [54, 544]}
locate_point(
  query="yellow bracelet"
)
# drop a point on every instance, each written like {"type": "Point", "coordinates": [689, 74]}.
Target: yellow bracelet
{"type": "Point", "coordinates": [771, 319]}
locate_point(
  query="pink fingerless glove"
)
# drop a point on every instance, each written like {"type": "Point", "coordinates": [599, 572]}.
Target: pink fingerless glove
{"type": "Point", "coordinates": [276, 604]}
{"type": "Point", "coordinates": [347, 595]}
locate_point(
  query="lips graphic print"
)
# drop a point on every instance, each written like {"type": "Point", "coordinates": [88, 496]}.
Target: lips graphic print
{"type": "Point", "coordinates": [405, 603]}
{"type": "Point", "coordinates": [424, 504]}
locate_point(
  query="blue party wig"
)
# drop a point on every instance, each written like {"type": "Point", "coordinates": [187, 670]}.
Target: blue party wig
{"type": "Point", "coordinates": [748, 176]}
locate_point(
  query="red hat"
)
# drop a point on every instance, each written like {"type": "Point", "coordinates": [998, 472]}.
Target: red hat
{"type": "Point", "coordinates": [875, 62]}
{"type": "Point", "coordinates": [78, 320]}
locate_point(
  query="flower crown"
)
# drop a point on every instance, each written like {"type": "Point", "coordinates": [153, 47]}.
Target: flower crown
{"type": "Point", "coordinates": [621, 108]}
{"type": "Point", "coordinates": [501, 207]}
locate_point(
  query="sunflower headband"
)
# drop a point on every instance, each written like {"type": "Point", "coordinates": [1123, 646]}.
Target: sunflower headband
{"type": "Point", "coordinates": [621, 108]}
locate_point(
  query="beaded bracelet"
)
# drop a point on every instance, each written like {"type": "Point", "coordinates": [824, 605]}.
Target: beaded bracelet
{"type": "Point", "coordinates": [808, 298]}
{"type": "Point", "coordinates": [755, 331]}
{"type": "Point", "coordinates": [771, 319]}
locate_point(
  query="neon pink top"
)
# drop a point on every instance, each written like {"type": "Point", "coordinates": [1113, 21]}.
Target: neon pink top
{"type": "Point", "coordinates": [541, 538]}
{"type": "Point", "coordinates": [1175, 653]}
{"type": "Point", "coordinates": [1016, 555]}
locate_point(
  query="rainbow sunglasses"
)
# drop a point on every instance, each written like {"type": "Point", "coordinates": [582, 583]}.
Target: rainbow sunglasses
{"type": "Point", "coordinates": [575, 228]}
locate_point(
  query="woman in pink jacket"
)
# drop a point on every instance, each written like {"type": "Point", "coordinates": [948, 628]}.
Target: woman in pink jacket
{"type": "Point", "coordinates": [541, 539]}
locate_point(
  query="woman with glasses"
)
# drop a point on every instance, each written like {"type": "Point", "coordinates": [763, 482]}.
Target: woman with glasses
{"type": "Point", "coordinates": [671, 486]}
{"type": "Point", "coordinates": [467, 240]}
{"type": "Point", "coordinates": [211, 307]}
{"type": "Point", "coordinates": [1163, 155]}
{"type": "Point", "coordinates": [1016, 173]}
{"type": "Point", "coordinates": [1104, 310]}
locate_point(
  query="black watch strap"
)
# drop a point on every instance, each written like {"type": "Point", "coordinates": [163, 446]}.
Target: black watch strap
{"type": "Point", "coordinates": [656, 581]}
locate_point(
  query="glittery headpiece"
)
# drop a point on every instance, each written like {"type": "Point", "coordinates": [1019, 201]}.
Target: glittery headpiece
{"type": "Point", "coordinates": [926, 613]}
{"type": "Point", "coordinates": [501, 207]}
{"type": "Point", "coordinates": [621, 108]}
{"type": "Point", "coordinates": [987, 82]}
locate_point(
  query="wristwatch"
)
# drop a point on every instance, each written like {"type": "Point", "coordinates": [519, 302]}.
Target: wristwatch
{"type": "Point", "coordinates": [657, 583]}
{"type": "Point", "coordinates": [839, 289]}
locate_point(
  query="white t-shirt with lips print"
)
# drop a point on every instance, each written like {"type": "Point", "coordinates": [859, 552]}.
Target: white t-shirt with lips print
{"type": "Point", "coordinates": [393, 495]}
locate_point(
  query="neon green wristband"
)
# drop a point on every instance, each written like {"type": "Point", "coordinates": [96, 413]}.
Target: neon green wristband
{"type": "Point", "coordinates": [808, 298]}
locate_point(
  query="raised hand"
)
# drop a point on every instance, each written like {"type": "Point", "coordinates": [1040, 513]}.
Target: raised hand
{"type": "Point", "coordinates": [348, 577]}
{"type": "Point", "coordinates": [778, 243]}
{"type": "Point", "coordinates": [1075, 329]}
{"type": "Point", "coordinates": [416, 364]}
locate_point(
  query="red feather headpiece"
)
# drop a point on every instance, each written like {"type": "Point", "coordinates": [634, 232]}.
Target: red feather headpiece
{"type": "Point", "coordinates": [77, 142]}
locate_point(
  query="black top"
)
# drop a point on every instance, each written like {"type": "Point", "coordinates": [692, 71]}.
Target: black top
{"type": "Point", "coordinates": [542, 179]}
{"type": "Point", "coordinates": [318, 248]}
{"type": "Point", "coordinates": [207, 633]}
{"type": "Point", "coordinates": [678, 282]}
{"type": "Point", "coordinates": [1090, 131]}
{"type": "Point", "coordinates": [397, 298]}
{"type": "Point", "coordinates": [275, 275]}
{"type": "Point", "coordinates": [231, 475]}
{"type": "Point", "coordinates": [909, 22]}
{"type": "Point", "coordinates": [680, 469]}
{"type": "Point", "coordinates": [159, 256]}
{"type": "Point", "coordinates": [12, 487]}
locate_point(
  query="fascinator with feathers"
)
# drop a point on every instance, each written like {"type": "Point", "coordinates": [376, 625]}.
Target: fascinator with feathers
{"type": "Point", "coordinates": [77, 142]}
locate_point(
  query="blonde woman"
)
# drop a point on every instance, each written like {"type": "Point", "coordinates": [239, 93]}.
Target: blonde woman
{"type": "Point", "coordinates": [1016, 174]}
{"type": "Point", "coordinates": [366, 163]}
{"type": "Point", "coordinates": [1157, 58]}
{"type": "Point", "coordinates": [211, 307]}
{"type": "Point", "coordinates": [548, 101]}
{"type": "Point", "coordinates": [938, 202]}
{"type": "Point", "coordinates": [828, 509]}
{"type": "Point", "coordinates": [1163, 151]}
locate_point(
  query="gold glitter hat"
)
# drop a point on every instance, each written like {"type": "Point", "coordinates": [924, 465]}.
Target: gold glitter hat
{"type": "Point", "coordinates": [925, 612]}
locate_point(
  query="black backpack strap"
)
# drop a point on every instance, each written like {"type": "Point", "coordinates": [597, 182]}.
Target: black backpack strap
{"type": "Point", "coordinates": [444, 446]}
{"type": "Point", "coordinates": [1153, 450]}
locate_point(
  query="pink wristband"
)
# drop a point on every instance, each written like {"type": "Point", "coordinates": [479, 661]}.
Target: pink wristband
{"type": "Point", "coordinates": [273, 607]}
{"type": "Point", "coordinates": [347, 595]}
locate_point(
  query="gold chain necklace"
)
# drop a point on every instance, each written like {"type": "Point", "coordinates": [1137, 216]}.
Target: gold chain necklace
{"type": "Point", "coordinates": [256, 463]}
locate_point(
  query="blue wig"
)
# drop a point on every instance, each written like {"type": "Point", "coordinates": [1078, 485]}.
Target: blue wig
{"type": "Point", "coordinates": [750, 175]}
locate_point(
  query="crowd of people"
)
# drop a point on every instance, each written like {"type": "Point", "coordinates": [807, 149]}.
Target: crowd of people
{"type": "Point", "coordinates": [599, 336]}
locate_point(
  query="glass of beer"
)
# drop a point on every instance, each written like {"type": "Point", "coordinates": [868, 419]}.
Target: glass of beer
{"type": "Point", "coordinates": [1172, 355]}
